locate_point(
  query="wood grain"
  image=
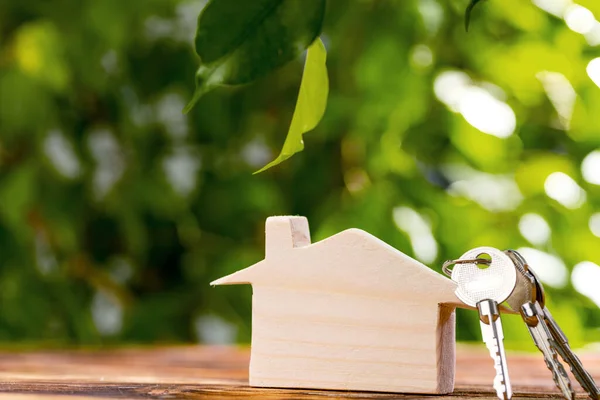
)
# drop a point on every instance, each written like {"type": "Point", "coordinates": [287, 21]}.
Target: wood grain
{"type": "Point", "coordinates": [349, 312]}
{"type": "Point", "coordinates": [195, 372]}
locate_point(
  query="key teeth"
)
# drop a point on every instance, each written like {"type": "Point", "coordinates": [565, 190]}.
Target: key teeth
{"type": "Point", "coordinates": [595, 395]}
{"type": "Point", "coordinates": [556, 369]}
{"type": "Point", "coordinates": [500, 385]}
{"type": "Point", "coordinates": [501, 390]}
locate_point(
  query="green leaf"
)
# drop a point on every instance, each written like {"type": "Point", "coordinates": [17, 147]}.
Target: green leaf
{"type": "Point", "coordinates": [468, 12]}
{"type": "Point", "coordinates": [311, 104]}
{"type": "Point", "coordinates": [260, 36]}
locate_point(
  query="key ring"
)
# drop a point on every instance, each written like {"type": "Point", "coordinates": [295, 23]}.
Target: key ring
{"type": "Point", "coordinates": [448, 263]}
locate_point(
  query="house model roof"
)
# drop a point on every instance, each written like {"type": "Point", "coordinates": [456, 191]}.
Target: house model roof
{"type": "Point", "coordinates": [350, 261]}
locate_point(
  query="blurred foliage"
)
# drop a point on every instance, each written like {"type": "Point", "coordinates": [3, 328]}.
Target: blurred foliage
{"type": "Point", "coordinates": [116, 210]}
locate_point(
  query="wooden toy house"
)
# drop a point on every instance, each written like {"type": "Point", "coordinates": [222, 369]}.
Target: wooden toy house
{"type": "Point", "coordinates": [349, 313]}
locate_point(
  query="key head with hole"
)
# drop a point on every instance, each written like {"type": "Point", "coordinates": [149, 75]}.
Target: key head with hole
{"type": "Point", "coordinates": [477, 282]}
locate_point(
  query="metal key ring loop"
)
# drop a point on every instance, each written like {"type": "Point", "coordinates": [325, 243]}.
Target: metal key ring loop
{"type": "Point", "coordinates": [448, 263]}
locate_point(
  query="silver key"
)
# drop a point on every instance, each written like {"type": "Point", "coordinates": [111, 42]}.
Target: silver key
{"type": "Point", "coordinates": [485, 287]}
{"type": "Point", "coordinates": [493, 336]}
{"type": "Point", "coordinates": [529, 299]}
{"type": "Point", "coordinates": [564, 350]}
{"type": "Point", "coordinates": [533, 316]}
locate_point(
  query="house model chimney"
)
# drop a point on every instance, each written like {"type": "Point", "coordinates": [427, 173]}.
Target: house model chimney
{"type": "Point", "coordinates": [285, 233]}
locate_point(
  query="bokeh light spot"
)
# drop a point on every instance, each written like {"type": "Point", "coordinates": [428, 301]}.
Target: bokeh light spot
{"type": "Point", "coordinates": [579, 19]}
{"type": "Point", "coordinates": [422, 56]}
{"type": "Point", "coordinates": [593, 70]}
{"type": "Point", "coordinates": [551, 270]}
{"type": "Point", "coordinates": [488, 114]}
{"type": "Point", "coordinates": [492, 192]}
{"type": "Point", "coordinates": [594, 224]}
{"type": "Point", "coordinates": [61, 153]}
{"type": "Point", "coordinates": [416, 227]}
{"type": "Point", "coordinates": [213, 330]}
{"type": "Point", "coordinates": [554, 7]}
{"type": "Point", "coordinates": [586, 280]}
{"type": "Point", "coordinates": [450, 86]}
{"type": "Point", "coordinates": [590, 167]}
{"type": "Point", "coordinates": [107, 313]}
{"type": "Point", "coordinates": [562, 188]}
{"type": "Point", "coordinates": [561, 93]}
{"type": "Point", "coordinates": [477, 104]}
{"type": "Point", "coordinates": [534, 228]}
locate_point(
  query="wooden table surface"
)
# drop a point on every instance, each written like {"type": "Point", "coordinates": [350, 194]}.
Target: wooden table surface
{"type": "Point", "coordinates": [196, 372]}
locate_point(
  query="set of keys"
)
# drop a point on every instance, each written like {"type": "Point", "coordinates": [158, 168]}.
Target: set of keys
{"type": "Point", "coordinates": [487, 277]}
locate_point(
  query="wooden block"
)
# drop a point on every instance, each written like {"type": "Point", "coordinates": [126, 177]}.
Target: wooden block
{"type": "Point", "coordinates": [349, 312]}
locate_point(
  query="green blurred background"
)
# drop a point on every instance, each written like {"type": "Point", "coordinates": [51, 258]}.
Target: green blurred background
{"type": "Point", "coordinates": [116, 210]}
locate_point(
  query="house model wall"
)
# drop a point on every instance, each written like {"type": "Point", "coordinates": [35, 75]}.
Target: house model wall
{"type": "Point", "coordinates": [349, 312]}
